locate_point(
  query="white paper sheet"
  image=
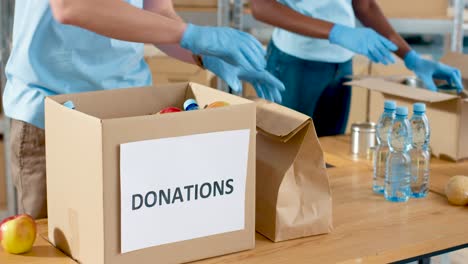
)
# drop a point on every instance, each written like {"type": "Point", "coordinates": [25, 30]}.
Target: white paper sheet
{"type": "Point", "coordinates": [216, 162]}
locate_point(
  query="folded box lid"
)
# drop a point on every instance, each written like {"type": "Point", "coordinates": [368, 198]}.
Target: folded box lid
{"type": "Point", "coordinates": [394, 87]}
{"type": "Point", "coordinates": [151, 51]}
{"type": "Point", "coordinates": [160, 63]}
{"type": "Point", "coordinates": [278, 121]}
{"type": "Point", "coordinates": [144, 101]}
{"type": "Point", "coordinates": [457, 60]}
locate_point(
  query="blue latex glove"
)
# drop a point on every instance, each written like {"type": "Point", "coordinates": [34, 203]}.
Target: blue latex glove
{"type": "Point", "coordinates": [233, 46]}
{"type": "Point", "coordinates": [364, 41]}
{"type": "Point", "coordinates": [265, 84]}
{"type": "Point", "coordinates": [426, 70]}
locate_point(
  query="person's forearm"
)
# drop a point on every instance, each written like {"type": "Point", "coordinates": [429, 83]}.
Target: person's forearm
{"type": "Point", "coordinates": [279, 15]}
{"type": "Point", "coordinates": [177, 52]}
{"type": "Point", "coordinates": [370, 15]}
{"type": "Point", "coordinates": [118, 19]}
{"type": "Point", "coordinates": [165, 8]}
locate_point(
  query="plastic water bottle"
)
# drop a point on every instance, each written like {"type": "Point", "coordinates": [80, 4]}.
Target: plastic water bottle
{"type": "Point", "coordinates": [397, 178]}
{"type": "Point", "coordinates": [381, 152]}
{"type": "Point", "coordinates": [419, 153]}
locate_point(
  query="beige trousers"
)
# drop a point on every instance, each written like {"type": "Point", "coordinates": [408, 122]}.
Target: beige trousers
{"type": "Point", "coordinates": [28, 168]}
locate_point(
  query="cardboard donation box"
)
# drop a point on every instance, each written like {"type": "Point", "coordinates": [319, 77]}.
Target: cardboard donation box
{"type": "Point", "coordinates": [127, 186]}
{"type": "Point", "coordinates": [414, 8]}
{"type": "Point", "coordinates": [293, 192]}
{"type": "Point", "coordinates": [447, 113]}
{"type": "Point", "coordinates": [166, 69]}
{"type": "Point", "coordinates": [197, 3]}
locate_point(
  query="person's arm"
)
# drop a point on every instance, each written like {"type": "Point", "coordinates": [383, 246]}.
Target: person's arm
{"type": "Point", "coordinates": [367, 11]}
{"type": "Point", "coordinates": [268, 11]}
{"type": "Point", "coordinates": [118, 19]}
{"type": "Point", "coordinates": [266, 85]}
{"type": "Point", "coordinates": [364, 41]}
{"type": "Point", "coordinates": [370, 15]}
{"type": "Point", "coordinates": [166, 8]}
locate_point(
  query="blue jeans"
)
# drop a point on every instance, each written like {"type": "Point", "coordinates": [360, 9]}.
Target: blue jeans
{"type": "Point", "coordinates": [314, 88]}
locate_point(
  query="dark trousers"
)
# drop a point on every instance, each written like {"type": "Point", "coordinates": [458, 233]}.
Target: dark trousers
{"type": "Point", "coordinates": [314, 88]}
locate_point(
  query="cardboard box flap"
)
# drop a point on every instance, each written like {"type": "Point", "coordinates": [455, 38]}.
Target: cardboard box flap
{"type": "Point", "coordinates": [397, 89]}
{"type": "Point", "coordinates": [279, 121]}
{"type": "Point", "coordinates": [457, 60]}
{"type": "Point", "coordinates": [207, 96]}
{"type": "Point", "coordinates": [161, 63]}
{"type": "Point", "coordinates": [151, 51]}
{"type": "Point", "coordinates": [119, 103]}
{"type": "Point", "coordinates": [168, 65]}
{"type": "Point", "coordinates": [143, 101]}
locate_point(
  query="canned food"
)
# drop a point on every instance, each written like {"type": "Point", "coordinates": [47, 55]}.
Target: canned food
{"type": "Point", "coordinates": [363, 138]}
{"type": "Point", "coordinates": [442, 86]}
{"type": "Point", "coordinates": [413, 82]}
{"type": "Point", "coordinates": [447, 88]}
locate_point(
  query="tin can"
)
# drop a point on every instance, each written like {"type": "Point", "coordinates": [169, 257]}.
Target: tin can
{"type": "Point", "coordinates": [363, 138]}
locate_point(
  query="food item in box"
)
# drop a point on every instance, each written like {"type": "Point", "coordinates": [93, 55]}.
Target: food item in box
{"type": "Point", "coordinates": [170, 109]}
{"type": "Point", "coordinates": [447, 88]}
{"type": "Point", "coordinates": [457, 190]}
{"type": "Point", "coordinates": [217, 104]}
{"type": "Point", "coordinates": [190, 105]}
{"type": "Point", "coordinates": [442, 85]}
{"type": "Point", "coordinates": [69, 104]}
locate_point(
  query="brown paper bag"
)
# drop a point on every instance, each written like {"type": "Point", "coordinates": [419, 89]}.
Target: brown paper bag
{"type": "Point", "coordinates": [293, 192]}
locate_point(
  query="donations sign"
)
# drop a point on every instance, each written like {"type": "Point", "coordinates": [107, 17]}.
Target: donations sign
{"type": "Point", "coordinates": [181, 188]}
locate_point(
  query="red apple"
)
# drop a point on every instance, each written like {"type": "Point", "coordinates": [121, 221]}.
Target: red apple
{"type": "Point", "coordinates": [169, 110]}
{"type": "Point", "coordinates": [18, 233]}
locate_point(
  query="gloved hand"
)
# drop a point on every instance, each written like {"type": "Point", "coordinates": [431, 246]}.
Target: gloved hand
{"type": "Point", "coordinates": [426, 70]}
{"type": "Point", "coordinates": [364, 41]}
{"type": "Point", "coordinates": [265, 84]}
{"type": "Point", "coordinates": [233, 46]}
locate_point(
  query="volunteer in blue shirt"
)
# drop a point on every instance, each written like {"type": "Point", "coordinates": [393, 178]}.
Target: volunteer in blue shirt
{"type": "Point", "coordinates": [312, 47]}
{"type": "Point", "coordinates": [69, 46]}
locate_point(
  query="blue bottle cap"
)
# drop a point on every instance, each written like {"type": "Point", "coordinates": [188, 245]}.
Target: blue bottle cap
{"type": "Point", "coordinates": [402, 111]}
{"type": "Point", "coordinates": [419, 107]}
{"type": "Point", "coordinates": [189, 102]}
{"type": "Point", "coordinates": [69, 104]}
{"type": "Point", "coordinates": [390, 105]}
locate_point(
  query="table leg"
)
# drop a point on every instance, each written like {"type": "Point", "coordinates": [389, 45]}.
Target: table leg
{"type": "Point", "coordinates": [425, 261]}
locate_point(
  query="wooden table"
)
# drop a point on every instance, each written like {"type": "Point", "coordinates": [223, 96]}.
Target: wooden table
{"type": "Point", "coordinates": [367, 228]}
{"type": "Point", "coordinates": [42, 253]}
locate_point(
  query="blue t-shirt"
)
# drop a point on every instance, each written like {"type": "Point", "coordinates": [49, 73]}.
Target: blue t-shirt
{"type": "Point", "coordinates": [307, 48]}
{"type": "Point", "coordinates": [49, 58]}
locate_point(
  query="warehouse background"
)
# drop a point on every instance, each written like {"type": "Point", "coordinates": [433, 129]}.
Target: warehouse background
{"type": "Point", "coordinates": [432, 27]}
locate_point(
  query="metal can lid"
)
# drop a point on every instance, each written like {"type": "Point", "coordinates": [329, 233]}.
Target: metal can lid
{"type": "Point", "coordinates": [367, 127]}
{"type": "Point", "coordinates": [69, 104]}
{"type": "Point", "coordinates": [189, 102]}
